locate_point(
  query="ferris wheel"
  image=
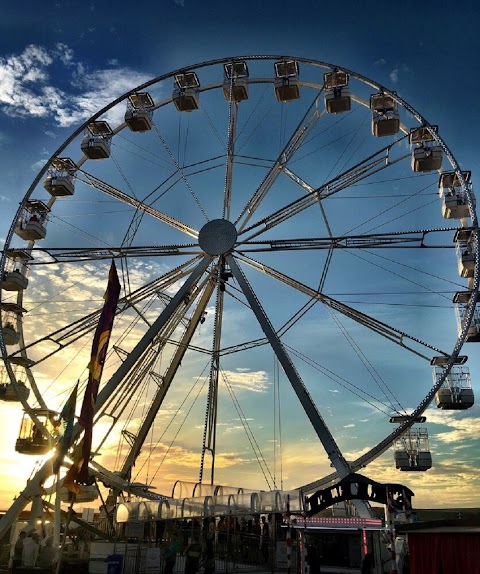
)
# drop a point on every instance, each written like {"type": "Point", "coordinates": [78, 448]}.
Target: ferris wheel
{"type": "Point", "coordinates": [288, 234]}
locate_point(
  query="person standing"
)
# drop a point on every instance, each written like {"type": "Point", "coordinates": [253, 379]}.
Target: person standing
{"type": "Point", "coordinates": [193, 553]}
{"type": "Point", "coordinates": [170, 555]}
{"type": "Point", "coordinates": [222, 537]}
{"type": "Point", "coordinates": [18, 551]}
{"type": "Point", "coordinates": [30, 550]}
{"type": "Point", "coordinates": [47, 556]}
{"type": "Point", "coordinates": [265, 539]}
{"type": "Point", "coordinates": [209, 558]}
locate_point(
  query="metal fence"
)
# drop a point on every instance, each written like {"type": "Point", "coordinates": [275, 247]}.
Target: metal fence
{"type": "Point", "coordinates": [235, 554]}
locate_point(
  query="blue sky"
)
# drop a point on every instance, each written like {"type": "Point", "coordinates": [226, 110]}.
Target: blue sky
{"type": "Point", "coordinates": [59, 65]}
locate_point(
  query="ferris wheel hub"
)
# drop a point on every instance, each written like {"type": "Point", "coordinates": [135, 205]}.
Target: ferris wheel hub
{"type": "Point", "coordinates": [217, 237]}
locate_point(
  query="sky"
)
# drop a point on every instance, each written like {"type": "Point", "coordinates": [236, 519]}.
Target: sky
{"type": "Point", "coordinates": [60, 65]}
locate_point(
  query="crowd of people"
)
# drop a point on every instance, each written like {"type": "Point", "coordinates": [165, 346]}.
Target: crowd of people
{"type": "Point", "coordinates": [227, 538]}
{"type": "Point", "coordinates": [30, 552]}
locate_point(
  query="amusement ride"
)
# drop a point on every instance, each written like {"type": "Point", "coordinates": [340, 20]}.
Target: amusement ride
{"type": "Point", "coordinates": [291, 238]}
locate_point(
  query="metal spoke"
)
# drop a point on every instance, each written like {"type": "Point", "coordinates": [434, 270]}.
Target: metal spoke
{"type": "Point", "coordinates": [138, 205]}
{"type": "Point", "coordinates": [210, 428]}
{"type": "Point", "coordinates": [366, 168]}
{"type": "Point", "coordinates": [131, 384]}
{"type": "Point", "coordinates": [150, 334]}
{"type": "Point", "coordinates": [74, 254]}
{"type": "Point", "coordinates": [74, 331]}
{"type": "Point", "coordinates": [167, 378]}
{"type": "Point", "coordinates": [383, 329]}
{"type": "Point", "coordinates": [396, 239]}
{"type": "Point", "coordinates": [307, 123]}
{"type": "Point", "coordinates": [231, 139]}
{"type": "Point", "coordinates": [180, 171]}
{"type": "Point", "coordinates": [331, 448]}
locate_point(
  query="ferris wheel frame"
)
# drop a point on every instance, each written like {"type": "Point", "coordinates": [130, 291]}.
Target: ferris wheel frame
{"type": "Point", "coordinates": [450, 359]}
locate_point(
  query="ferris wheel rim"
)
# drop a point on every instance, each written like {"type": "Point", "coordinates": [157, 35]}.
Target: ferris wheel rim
{"type": "Point", "coordinates": [386, 443]}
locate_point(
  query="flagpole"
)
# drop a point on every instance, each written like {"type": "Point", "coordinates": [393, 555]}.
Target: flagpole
{"type": "Point", "coordinates": [67, 523]}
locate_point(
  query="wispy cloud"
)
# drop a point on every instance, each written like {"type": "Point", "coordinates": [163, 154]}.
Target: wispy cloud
{"type": "Point", "coordinates": [256, 381]}
{"type": "Point", "coordinates": [460, 428]}
{"type": "Point", "coordinates": [37, 166]}
{"type": "Point", "coordinates": [28, 90]}
{"type": "Point", "coordinates": [394, 76]}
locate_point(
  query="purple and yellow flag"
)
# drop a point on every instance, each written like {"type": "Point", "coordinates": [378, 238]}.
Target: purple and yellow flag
{"type": "Point", "coordinates": [95, 367]}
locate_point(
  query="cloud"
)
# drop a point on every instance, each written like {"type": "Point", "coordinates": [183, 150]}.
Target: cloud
{"type": "Point", "coordinates": [28, 90]}
{"type": "Point", "coordinates": [460, 429]}
{"type": "Point", "coordinates": [394, 76]}
{"type": "Point", "coordinates": [380, 62]}
{"type": "Point", "coordinates": [447, 484]}
{"type": "Point", "coordinates": [180, 3]}
{"type": "Point", "coordinates": [256, 381]}
{"type": "Point", "coordinates": [38, 165]}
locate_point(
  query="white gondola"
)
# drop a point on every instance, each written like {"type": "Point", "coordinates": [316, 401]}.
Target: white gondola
{"type": "Point", "coordinates": [456, 392]}
{"type": "Point", "coordinates": [31, 440]}
{"type": "Point", "coordinates": [473, 332]}
{"type": "Point", "coordinates": [60, 180]}
{"type": "Point", "coordinates": [337, 92]}
{"type": "Point", "coordinates": [14, 281]}
{"type": "Point", "coordinates": [412, 451]}
{"type": "Point", "coordinates": [185, 92]}
{"type": "Point", "coordinates": [287, 87]}
{"type": "Point", "coordinates": [418, 461]}
{"type": "Point", "coordinates": [14, 275]}
{"type": "Point", "coordinates": [9, 393]}
{"type": "Point", "coordinates": [385, 115]}
{"type": "Point", "coordinates": [31, 225]}
{"type": "Point", "coordinates": [454, 197]}
{"type": "Point", "coordinates": [11, 312]}
{"type": "Point", "coordinates": [426, 154]}
{"type": "Point", "coordinates": [466, 263]}
{"type": "Point", "coordinates": [462, 301]}
{"type": "Point", "coordinates": [235, 81]}
{"type": "Point", "coordinates": [139, 114]}
{"type": "Point", "coordinates": [10, 335]}
{"type": "Point", "coordinates": [88, 493]}
{"type": "Point", "coordinates": [455, 206]}
{"type": "Point", "coordinates": [97, 140]}
{"type": "Point", "coordinates": [465, 253]}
